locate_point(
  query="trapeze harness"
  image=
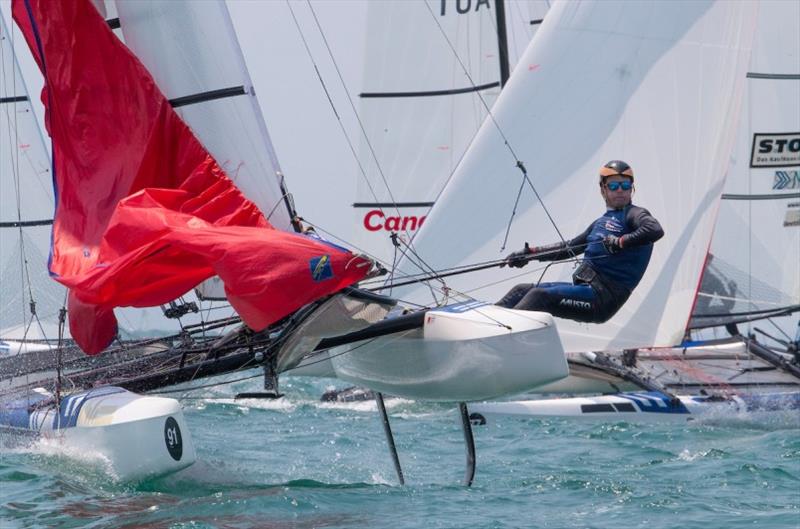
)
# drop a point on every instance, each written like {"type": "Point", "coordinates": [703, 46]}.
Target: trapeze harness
{"type": "Point", "coordinates": [605, 279]}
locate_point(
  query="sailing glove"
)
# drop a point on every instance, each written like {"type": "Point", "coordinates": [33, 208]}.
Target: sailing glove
{"type": "Point", "coordinates": [520, 258]}
{"type": "Point", "coordinates": [612, 243]}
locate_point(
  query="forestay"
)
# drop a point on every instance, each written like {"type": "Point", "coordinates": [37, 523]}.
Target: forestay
{"type": "Point", "coordinates": [26, 209]}
{"type": "Point", "coordinates": [658, 84]}
{"type": "Point", "coordinates": [752, 268]}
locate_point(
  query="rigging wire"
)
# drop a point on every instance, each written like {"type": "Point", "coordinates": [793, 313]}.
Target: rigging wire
{"type": "Point", "coordinates": [520, 165]}
{"type": "Point", "coordinates": [349, 141]}
{"type": "Point", "coordinates": [373, 257]}
{"type": "Point", "coordinates": [14, 149]}
{"type": "Point", "coordinates": [789, 338]}
{"type": "Point", "coordinates": [355, 113]}
{"type": "Point", "coordinates": [463, 269]}
{"type": "Point", "coordinates": [364, 134]}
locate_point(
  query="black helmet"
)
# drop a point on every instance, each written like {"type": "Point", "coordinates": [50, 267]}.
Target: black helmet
{"type": "Point", "coordinates": [614, 168]}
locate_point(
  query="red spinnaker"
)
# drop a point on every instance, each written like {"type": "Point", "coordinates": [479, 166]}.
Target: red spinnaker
{"type": "Point", "coordinates": [143, 212]}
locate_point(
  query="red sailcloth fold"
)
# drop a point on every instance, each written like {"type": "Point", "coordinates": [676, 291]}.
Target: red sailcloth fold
{"type": "Point", "coordinates": [143, 212]}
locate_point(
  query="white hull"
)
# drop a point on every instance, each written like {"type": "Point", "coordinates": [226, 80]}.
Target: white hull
{"type": "Point", "coordinates": [463, 352]}
{"type": "Point", "coordinates": [132, 436]}
{"type": "Point", "coordinates": [644, 406]}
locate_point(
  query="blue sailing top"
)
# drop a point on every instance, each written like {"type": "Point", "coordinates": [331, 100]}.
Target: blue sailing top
{"type": "Point", "coordinates": [625, 267]}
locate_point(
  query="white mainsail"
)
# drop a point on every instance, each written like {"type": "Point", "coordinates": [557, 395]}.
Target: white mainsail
{"type": "Point", "coordinates": [26, 209]}
{"type": "Point", "coordinates": [658, 84]}
{"type": "Point", "coordinates": [756, 244]}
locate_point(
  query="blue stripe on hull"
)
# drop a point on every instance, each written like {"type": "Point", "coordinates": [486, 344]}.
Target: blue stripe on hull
{"type": "Point", "coordinates": [24, 413]}
{"type": "Point", "coordinates": [655, 402]}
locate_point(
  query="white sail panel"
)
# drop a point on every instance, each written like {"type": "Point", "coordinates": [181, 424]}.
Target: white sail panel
{"type": "Point", "coordinates": [420, 109]}
{"type": "Point", "coordinates": [753, 264]}
{"type": "Point", "coordinates": [191, 50]}
{"type": "Point", "coordinates": [26, 207]}
{"type": "Point", "coordinates": [657, 84]}
{"type": "Point", "coordinates": [431, 70]}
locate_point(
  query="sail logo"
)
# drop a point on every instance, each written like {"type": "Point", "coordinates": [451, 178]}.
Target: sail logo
{"type": "Point", "coordinates": [776, 150]}
{"type": "Point", "coordinates": [321, 268]}
{"type": "Point", "coordinates": [375, 220]}
{"type": "Point", "coordinates": [792, 215]}
{"type": "Point", "coordinates": [786, 180]}
{"type": "Point", "coordinates": [463, 6]}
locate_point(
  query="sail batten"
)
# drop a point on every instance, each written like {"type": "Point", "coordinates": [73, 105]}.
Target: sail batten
{"type": "Point", "coordinates": [209, 95]}
{"type": "Point", "coordinates": [431, 93]}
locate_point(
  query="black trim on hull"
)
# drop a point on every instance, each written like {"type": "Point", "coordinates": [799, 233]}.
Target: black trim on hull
{"type": "Point", "coordinates": [408, 322]}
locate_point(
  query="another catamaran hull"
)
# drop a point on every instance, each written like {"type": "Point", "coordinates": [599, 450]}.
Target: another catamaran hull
{"type": "Point", "coordinates": [463, 352]}
{"type": "Point", "coordinates": [132, 436]}
{"type": "Point", "coordinates": [643, 406]}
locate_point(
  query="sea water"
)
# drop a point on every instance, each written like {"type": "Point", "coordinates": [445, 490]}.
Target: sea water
{"type": "Point", "coordinates": [298, 463]}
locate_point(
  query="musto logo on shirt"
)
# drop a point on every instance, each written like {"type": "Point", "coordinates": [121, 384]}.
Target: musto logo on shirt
{"type": "Point", "coordinates": [321, 268]}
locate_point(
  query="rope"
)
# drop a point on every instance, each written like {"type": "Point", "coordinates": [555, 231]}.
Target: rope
{"type": "Point", "coordinates": [362, 170]}
{"type": "Point", "coordinates": [519, 164]}
{"type": "Point", "coordinates": [448, 272]}
{"type": "Point", "coordinates": [357, 116]}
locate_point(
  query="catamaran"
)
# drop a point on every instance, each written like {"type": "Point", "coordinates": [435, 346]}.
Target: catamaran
{"type": "Point", "coordinates": [175, 215]}
{"type": "Point", "coordinates": [750, 274]}
{"type": "Point", "coordinates": [183, 213]}
{"type": "Point", "coordinates": [696, 365]}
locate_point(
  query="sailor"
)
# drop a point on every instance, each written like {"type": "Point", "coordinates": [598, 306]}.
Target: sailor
{"type": "Point", "coordinates": [616, 248]}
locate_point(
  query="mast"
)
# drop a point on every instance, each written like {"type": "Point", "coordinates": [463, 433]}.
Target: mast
{"type": "Point", "coordinates": [502, 40]}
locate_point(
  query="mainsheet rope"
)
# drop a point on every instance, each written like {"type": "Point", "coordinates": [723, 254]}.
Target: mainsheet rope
{"type": "Point", "coordinates": [463, 269]}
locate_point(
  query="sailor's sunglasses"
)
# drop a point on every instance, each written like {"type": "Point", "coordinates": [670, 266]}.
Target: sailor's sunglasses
{"type": "Point", "coordinates": [614, 186]}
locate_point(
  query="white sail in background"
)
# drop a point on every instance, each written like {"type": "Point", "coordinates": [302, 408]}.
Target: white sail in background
{"type": "Point", "coordinates": [756, 246]}
{"type": "Point", "coordinates": [658, 84]}
{"type": "Point", "coordinates": [431, 70]}
{"type": "Point", "coordinates": [191, 50]}
{"type": "Point", "coordinates": [26, 209]}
